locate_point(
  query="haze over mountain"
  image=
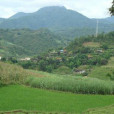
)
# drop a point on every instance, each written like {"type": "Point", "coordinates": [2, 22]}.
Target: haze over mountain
{"type": "Point", "coordinates": [109, 19]}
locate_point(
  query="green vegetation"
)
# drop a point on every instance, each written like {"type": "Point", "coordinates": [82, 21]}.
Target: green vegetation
{"type": "Point", "coordinates": [11, 74]}
{"type": "Point", "coordinates": [73, 84]}
{"type": "Point", "coordinates": [63, 70]}
{"type": "Point", "coordinates": [8, 49]}
{"type": "Point", "coordinates": [85, 51]}
{"type": "Point", "coordinates": [19, 97]}
{"type": "Point", "coordinates": [112, 9]}
{"type": "Point", "coordinates": [27, 42]}
{"type": "Point", "coordinates": [84, 67]}
{"type": "Point", "coordinates": [103, 110]}
{"type": "Point", "coordinates": [104, 72]}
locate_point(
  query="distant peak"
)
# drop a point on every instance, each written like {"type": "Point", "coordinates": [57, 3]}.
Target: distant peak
{"type": "Point", "coordinates": [52, 7]}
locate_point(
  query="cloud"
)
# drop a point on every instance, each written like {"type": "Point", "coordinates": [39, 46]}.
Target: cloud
{"type": "Point", "coordinates": [90, 8]}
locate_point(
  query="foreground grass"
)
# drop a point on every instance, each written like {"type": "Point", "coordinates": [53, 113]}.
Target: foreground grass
{"type": "Point", "coordinates": [19, 97]}
{"type": "Point", "coordinates": [103, 110]}
{"type": "Point", "coordinates": [10, 73]}
{"type": "Point", "coordinates": [105, 72]}
{"type": "Point", "coordinates": [72, 84]}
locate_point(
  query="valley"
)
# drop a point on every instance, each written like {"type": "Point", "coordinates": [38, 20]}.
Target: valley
{"type": "Point", "coordinates": [53, 61]}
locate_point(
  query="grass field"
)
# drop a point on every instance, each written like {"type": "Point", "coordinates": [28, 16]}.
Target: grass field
{"type": "Point", "coordinates": [91, 44]}
{"type": "Point", "coordinates": [20, 97]}
{"type": "Point", "coordinates": [105, 72]}
{"type": "Point", "coordinates": [103, 110]}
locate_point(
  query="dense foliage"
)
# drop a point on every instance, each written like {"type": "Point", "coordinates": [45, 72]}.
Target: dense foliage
{"type": "Point", "coordinates": [11, 74]}
{"type": "Point", "coordinates": [27, 42]}
{"type": "Point", "coordinates": [85, 51]}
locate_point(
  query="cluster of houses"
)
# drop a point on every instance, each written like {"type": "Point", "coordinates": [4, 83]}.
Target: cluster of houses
{"type": "Point", "coordinates": [55, 53]}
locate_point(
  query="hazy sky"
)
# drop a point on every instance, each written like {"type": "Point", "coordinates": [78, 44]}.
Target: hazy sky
{"type": "Point", "coordinates": [90, 8]}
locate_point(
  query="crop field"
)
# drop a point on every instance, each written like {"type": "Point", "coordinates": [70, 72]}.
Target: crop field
{"type": "Point", "coordinates": [16, 97]}
{"type": "Point", "coordinates": [91, 44]}
{"type": "Point", "coordinates": [72, 84]}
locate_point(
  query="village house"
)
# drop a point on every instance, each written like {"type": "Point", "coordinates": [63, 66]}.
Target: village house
{"type": "Point", "coordinates": [63, 51]}
{"type": "Point", "coordinates": [25, 59]}
{"type": "Point", "coordinates": [80, 71]}
{"type": "Point", "coordinates": [100, 51]}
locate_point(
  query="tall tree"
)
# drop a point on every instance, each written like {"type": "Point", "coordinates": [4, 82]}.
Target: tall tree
{"type": "Point", "coordinates": [112, 9]}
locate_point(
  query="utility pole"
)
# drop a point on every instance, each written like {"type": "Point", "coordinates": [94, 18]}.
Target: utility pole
{"type": "Point", "coordinates": [97, 28]}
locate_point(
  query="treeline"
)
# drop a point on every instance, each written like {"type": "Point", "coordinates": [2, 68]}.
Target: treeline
{"type": "Point", "coordinates": [75, 55]}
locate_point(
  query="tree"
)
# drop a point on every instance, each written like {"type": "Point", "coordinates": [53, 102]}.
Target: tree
{"type": "Point", "coordinates": [42, 65]}
{"type": "Point", "coordinates": [112, 9]}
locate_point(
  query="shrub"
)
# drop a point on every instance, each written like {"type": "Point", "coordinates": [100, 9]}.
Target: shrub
{"type": "Point", "coordinates": [10, 74]}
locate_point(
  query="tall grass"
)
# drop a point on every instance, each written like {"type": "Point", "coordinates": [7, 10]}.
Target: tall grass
{"type": "Point", "coordinates": [72, 84]}
{"type": "Point", "coordinates": [11, 74]}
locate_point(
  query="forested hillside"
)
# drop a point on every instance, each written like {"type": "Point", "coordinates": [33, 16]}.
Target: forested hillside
{"type": "Point", "coordinates": [28, 42]}
{"type": "Point", "coordinates": [8, 49]}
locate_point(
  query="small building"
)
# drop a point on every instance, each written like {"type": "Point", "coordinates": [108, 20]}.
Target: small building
{"type": "Point", "coordinates": [79, 71]}
{"type": "Point", "coordinates": [100, 51]}
{"type": "Point", "coordinates": [61, 51]}
{"type": "Point", "coordinates": [25, 59]}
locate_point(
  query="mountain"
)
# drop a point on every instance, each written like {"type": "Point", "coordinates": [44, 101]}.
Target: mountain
{"type": "Point", "coordinates": [48, 17]}
{"type": "Point", "coordinates": [1, 20]}
{"type": "Point", "coordinates": [59, 20]}
{"type": "Point", "coordinates": [18, 15]}
{"type": "Point", "coordinates": [110, 19]}
{"type": "Point", "coordinates": [30, 42]}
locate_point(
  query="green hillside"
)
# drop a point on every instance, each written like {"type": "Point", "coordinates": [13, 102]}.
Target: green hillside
{"type": "Point", "coordinates": [85, 56]}
{"type": "Point", "coordinates": [8, 49]}
{"type": "Point", "coordinates": [28, 42]}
